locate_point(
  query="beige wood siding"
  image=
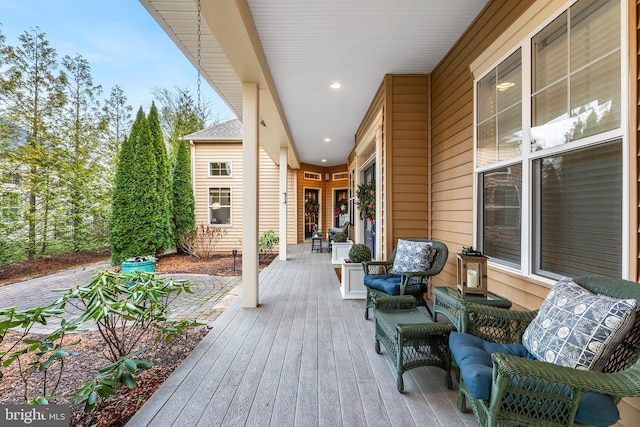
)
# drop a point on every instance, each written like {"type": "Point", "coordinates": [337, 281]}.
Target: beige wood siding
{"type": "Point", "coordinates": [269, 194]}
{"type": "Point", "coordinates": [403, 157]}
{"type": "Point", "coordinates": [326, 188]}
{"type": "Point", "coordinates": [215, 152]}
{"type": "Point", "coordinates": [406, 157]}
{"type": "Point", "coordinates": [452, 149]}
{"type": "Point", "coordinates": [452, 160]}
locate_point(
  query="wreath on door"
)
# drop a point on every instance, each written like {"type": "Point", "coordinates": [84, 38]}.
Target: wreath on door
{"type": "Point", "coordinates": [311, 207]}
{"type": "Point", "coordinates": [366, 200]}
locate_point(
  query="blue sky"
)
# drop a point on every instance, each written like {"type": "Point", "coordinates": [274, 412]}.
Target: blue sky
{"type": "Point", "coordinates": [122, 42]}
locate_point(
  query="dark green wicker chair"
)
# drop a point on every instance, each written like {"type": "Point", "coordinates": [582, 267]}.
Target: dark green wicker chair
{"type": "Point", "coordinates": [529, 392]}
{"type": "Point", "coordinates": [412, 283]}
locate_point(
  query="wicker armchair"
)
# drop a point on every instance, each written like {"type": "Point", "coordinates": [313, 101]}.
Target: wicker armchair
{"type": "Point", "coordinates": [412, 283]}
{"type": "Point", "coordinates": [529, 392]}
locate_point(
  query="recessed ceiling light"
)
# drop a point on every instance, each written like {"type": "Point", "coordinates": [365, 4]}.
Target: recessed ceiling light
{"type": "Point", "coordinates": [335, 85]}
{"type": "Point", "coordinates": [327, 140]}
{"type": "Point", "coordinates": [324, 160]}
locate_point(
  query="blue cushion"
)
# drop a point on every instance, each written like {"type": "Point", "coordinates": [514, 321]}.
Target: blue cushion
{"type": "Point", "coordinates": [578, 329]}
{"type": "Point", "coordinates": [388, 283]}
{"type": "Point", "coordinates": [473, 357]}
{"type": "Point", "coordinates": [412, 256]}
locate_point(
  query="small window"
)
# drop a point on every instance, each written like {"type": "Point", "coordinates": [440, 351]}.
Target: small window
{"type": "Point", "coordinates": [220, 206]}
{"type": "Point", "coordinates": [220, 169]}
{"type": "Point", "coordinates": [313, 176]}
{"type": "Point", "coordinates": [341, 176]}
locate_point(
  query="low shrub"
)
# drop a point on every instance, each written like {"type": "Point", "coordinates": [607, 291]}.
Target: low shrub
{"type": "Point", "coordinates": [339, 237]}
{"type": "Point", "coordinates": [359, 252]}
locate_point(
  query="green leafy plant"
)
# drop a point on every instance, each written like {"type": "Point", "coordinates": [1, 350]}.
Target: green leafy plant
{"type": "Point", "coordinates": [126, 307]}
{"type": "Point", "coordinates": [366, 200]}
{"type": "Point", "coordinates": [40, 361]}
{"type": "Point", "coordinates": [359, 252]}
{"type": "Point", "coordinates": [109, 379]}
{"type": "Point", "coordinates": [339, 237]}
{"type": "Point", "coordinates": [267, 241]}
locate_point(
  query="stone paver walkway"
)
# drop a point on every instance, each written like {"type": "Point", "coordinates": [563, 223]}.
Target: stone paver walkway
{"type": "Point", "coordinates": [212, 294]}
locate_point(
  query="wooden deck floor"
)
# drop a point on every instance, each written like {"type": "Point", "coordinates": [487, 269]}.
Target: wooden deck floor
{"type": "Point", "coordinates": [305, 357]}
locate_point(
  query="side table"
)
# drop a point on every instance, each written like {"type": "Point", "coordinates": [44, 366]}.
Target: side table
{"type": "Point", "coordinates": [316, 244]}
{"type": "Point", "coordinates": [447, 300]}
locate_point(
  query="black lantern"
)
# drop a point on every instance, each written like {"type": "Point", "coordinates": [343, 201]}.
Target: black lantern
{"type": "Point", "coordinates": [234, 252]}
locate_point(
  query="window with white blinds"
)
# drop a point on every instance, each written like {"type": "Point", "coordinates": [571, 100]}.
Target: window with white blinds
{"type": "Point", "coordinates": [580, 212]}
{"type": "Point", "coordinates": [560, 146]}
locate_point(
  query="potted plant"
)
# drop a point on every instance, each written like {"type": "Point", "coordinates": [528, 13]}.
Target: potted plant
{"type": "Point", "coordinates": [352, 283]}
{"type": "Point", "coordinates": [340, 247]}
{"type": "Point", "coordinates": [139, 263]}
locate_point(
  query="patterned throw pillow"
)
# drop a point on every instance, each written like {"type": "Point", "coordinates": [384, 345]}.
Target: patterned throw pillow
{"type": "Point", "coordinates": [577, 328]}
{"type": "Point", "coordinates": [412, 256]}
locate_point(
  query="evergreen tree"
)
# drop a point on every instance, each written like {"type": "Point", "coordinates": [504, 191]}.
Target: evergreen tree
{"type": "Point", "coordinates": [183, 202]}
{"type": "Point", "coordinates": [134, 216]}
{"type": "Point", "coordinates": [117, 120]}
{"type": "Point", "coordinates": [30, 98]}
{"type": "Point", "coordinates": [124, 190]}
{"type": "Point", "coordinates": [164, 209]}
{"type": "Point", "coordinates": [82, 156]}
{"type": "Point", "coordinates": [186, 119]}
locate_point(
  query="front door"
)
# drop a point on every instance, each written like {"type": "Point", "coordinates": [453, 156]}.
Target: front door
{"type": "Point", "coordinates": [341, 211]}
{"type": "Point", "coordinates": [370, 226]}
{"type": "Point", "coordinates": [311, 211]}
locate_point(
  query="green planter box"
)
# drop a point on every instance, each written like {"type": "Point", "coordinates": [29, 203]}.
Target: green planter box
{"type": "Point", "coordinates": [129, 267]}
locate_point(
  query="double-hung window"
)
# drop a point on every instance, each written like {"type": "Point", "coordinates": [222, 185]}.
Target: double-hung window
{"type": "Point", "coordinates": [549, 148]}
{"type": "Point", "coordinates": [220, 169]}
{"type": "Point", "coordinates": [220, 206]}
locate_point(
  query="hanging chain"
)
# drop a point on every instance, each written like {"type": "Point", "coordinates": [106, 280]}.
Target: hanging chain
{"type": "Point", "coordinates": [199, 83]}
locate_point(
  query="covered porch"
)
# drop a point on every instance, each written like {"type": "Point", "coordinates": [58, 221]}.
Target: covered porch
{"type": "Point", "coordinates": [304, 357]}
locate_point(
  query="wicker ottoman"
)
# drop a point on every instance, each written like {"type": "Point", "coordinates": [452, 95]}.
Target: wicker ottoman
{"type": "Point", "coordinates": [411, 337]}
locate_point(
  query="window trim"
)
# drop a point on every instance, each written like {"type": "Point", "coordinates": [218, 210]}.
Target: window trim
{"type": "Point", "coordinates": [228, 162]}
{"type": "Point", "coordinates": [531, 22]}
{"type": "Point", "coordinates": [230, 224]}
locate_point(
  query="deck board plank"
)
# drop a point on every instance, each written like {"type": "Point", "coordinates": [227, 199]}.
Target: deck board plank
{"type": "Point", "coordinates": [304, 357]}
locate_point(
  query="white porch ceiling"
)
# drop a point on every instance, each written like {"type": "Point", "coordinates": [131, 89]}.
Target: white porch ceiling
{"type": "Point", "coordinates": [294, 49]}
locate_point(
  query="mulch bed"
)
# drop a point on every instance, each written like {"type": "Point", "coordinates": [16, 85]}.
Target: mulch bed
{"type": "Point", "coordinates": [116, 410]}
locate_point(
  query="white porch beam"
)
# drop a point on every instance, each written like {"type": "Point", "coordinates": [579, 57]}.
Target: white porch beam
{"type": "Point", "coordinates": [283, 202]}
{"type": "Point", "coordinates": [250, 208]}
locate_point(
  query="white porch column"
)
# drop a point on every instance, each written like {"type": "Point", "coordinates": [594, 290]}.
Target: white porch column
{"type": "Point", "coordinates": [284, 158]}
{"type": "Point", "coordinates": [250, 266]}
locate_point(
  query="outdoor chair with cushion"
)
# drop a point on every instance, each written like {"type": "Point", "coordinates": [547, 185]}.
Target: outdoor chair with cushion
{"type": "Point", "coordinates": [406, 272]}
{"type": "Point", "coordinates": [568, 363]}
